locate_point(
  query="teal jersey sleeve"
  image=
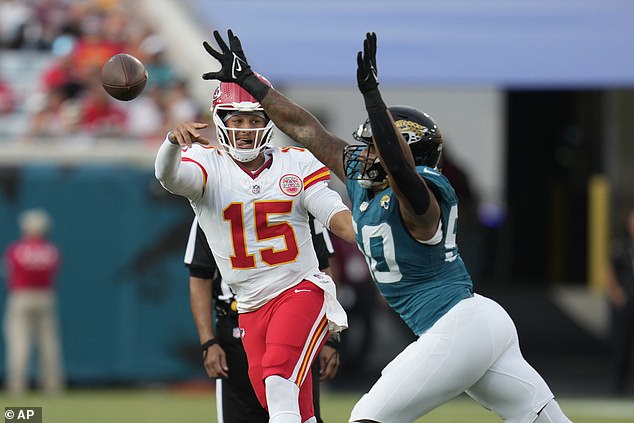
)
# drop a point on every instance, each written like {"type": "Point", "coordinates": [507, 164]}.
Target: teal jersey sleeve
{"type": "Point", "coordinates": [420, 282]}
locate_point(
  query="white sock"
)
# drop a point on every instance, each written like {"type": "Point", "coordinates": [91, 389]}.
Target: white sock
{"type": "Point", "coordinates": [282, 398]}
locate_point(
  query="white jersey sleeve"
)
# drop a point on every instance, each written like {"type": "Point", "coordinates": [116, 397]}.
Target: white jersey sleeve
{"type": "Point", "coordinates": [182, 171]}
{"type": "Point", "coordinates": [321, 201]}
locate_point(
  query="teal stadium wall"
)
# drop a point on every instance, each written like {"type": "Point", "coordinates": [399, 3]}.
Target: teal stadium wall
{"type": "Point", "coordinates": [123, 289]}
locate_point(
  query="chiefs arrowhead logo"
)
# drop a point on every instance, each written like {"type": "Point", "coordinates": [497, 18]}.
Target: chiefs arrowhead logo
{"type": "Point", "coordinates": [291, 185]}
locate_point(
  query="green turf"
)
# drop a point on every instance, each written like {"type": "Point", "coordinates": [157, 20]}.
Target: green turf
{"type": "Point", "coordinates": [178, 406]}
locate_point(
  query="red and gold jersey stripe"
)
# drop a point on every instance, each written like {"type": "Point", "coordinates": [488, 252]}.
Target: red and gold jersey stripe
{"type": "Point", "coordinates": [319, 175]}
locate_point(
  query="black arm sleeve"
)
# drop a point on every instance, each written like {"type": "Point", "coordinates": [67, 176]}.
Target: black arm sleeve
{"type": "Point", "coordinates": [201, 263]}
{"type": "Point", "coordinates": [321, 243]}
{"type": "Point", "coordinates": [389, 145]}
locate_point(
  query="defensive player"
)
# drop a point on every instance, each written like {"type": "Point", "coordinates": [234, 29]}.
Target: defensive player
{"type": "Point", "coordinates": [405, 213]}
{"type": "Point", "coordinates": [252, 201]}
{"type": "Point", "coordinates": [226, 360]}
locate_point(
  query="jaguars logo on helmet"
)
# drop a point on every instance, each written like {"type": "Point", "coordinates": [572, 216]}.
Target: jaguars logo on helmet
{"type": "Point", "coordinates": [417, 128]}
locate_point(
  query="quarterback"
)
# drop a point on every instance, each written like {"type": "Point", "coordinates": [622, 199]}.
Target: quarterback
{"type": "Point", "coordinates": [253, 200]}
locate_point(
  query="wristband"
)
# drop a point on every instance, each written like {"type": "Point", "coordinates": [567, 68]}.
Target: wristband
{"type": "Point", "coordinates": [334, 340]}
{"type": "Point", "coordinates": [255, 87]}
{"type": "Point", "coordinates": [169, 134]}
{"type": "Point", "coordinates": [209, 343]}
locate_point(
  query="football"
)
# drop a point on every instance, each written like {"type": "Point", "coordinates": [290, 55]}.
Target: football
{"type": "Point", "coordinates": [123, 76]}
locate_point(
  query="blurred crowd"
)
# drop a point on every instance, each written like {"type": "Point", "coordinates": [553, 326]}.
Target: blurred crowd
{"type": "Point", "coordinates": [67, 98]}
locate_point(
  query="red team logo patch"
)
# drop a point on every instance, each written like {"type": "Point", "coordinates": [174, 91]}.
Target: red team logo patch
{"type": "Point", "coordinates": [291, 185]}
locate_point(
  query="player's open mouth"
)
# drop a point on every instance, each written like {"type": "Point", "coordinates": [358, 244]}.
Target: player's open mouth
{"type": "Point", "coordinates": [244, 143]}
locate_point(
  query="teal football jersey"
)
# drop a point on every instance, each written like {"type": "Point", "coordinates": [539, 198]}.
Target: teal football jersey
{"type": "Point", "coordinates": [420, 282]}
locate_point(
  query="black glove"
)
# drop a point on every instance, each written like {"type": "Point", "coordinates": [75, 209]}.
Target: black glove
{"type": "Point", "coordinates": [234, 66]}
{"type": "Point", "coordinates": [367, 77]}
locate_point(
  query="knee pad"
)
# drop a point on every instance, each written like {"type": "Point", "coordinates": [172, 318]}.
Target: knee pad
{"type": "Point", "coordinates": [551, 413]}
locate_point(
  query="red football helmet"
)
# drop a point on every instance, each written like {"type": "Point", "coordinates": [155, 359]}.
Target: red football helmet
{"type": "Point", "coordinates": [230, 99]}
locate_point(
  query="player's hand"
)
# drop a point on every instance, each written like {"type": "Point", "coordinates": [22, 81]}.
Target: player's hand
{"type": "Point", "coordinates": [328, 362]}
{"type": "Point", "coordinates": [367, 75]}
{"type": "Point", "coordinates": [187, 133]}
{"type": "Point", "coordinates": [215, 362]}
{"type": "Point", "coordinates": [233, 62]}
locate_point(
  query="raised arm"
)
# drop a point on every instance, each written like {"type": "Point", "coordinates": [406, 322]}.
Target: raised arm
{"type": "Point", "coordinates": [300, 125]}
{"type": "Point", "coordinates": [420, 209]}
{"type": "Point", "coordinates": [291, 118]}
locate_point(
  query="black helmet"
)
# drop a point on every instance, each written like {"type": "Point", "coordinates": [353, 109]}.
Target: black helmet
{"type": "Point", "coordinates": [419, 130]}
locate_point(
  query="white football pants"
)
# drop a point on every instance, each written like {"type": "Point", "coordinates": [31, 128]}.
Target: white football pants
{"type": "Point", "coordinates": [474, 349]}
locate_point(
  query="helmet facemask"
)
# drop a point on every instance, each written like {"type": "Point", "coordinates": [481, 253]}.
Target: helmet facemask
{"type": "Point", "coordinates": [361, 162]}
{"type": "Point", "coordinates": [364, 166]}
{"type": "Point", "coordinates": [228, 137]}
{"type": "Point", "coordinates": [230, 99]}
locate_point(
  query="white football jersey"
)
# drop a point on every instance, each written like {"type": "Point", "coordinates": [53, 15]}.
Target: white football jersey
{"type": "Point", "coordinates": [256, 223]}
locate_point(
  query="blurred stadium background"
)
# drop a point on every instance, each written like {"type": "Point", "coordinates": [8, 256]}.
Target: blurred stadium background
{"type": "Point", "coordinates": [534, 97]}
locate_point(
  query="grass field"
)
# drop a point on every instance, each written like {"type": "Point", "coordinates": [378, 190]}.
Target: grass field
{"type": "Point", "coordinates": [179, 406]}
